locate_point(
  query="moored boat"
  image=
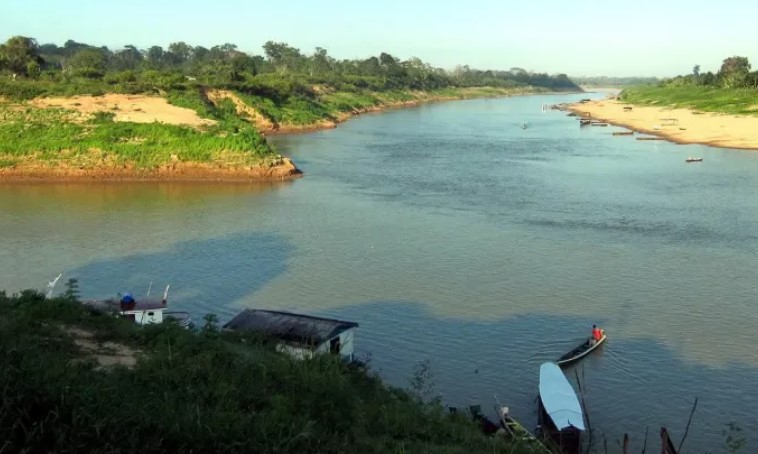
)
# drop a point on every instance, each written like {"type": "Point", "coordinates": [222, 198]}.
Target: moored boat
{"type": "Point", "coordinates": [691, 159]}
{"type": "Point", "coordinates": [518, 434]}
{"type": "Point", "coordinates": [561, 419]}
{"type": "Point", "coordinates": [582, 350]}
{"type": "Point", "coordinates": [147, 311]}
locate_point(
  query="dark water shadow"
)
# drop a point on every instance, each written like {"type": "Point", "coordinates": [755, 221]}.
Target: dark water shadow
{"type": "Point", "coordinates": [206, 276]}
{"type": "Point", "coordinates": [628, 383]}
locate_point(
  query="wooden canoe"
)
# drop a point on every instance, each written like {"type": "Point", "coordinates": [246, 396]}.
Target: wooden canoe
{"type": "Point", "coordinates": [582, 350]}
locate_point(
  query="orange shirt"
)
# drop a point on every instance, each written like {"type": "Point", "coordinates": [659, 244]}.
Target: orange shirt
{"type": "Point", "coordinates": [596, 334]}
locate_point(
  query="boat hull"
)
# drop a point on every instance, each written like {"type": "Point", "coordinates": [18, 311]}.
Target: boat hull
{"type": "Point", "coordinates": [580, 352]}
{"type": "Point", "coordinates": [566, 441]}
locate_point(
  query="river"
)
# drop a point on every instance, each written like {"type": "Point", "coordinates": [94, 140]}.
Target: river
{"type": "Point", "coordinates": [456, 237]}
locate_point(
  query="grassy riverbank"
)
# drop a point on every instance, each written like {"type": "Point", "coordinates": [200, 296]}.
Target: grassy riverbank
{"type": "Point", "coordinates": [134, 136]}
{"type": "Point", "coordinates": [72, 379]}
{"type": "Point", "coordinates": [733, 101]}
{"type": "Point", "coordinates": [82, 110]}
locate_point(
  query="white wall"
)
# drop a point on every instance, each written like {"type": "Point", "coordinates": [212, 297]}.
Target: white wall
{"type": "Point", "coordinates": [347, 347]}
{"type": "Point", "coordinates": [146, 317]}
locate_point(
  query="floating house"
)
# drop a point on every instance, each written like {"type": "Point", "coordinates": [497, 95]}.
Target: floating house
{"type": "Point", "coordinates": [299, 335]}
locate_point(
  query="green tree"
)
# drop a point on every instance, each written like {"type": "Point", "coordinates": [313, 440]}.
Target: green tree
{"type": "Point", "coordinates": [154, 57]}
{"type": "Point", "coordinates": [181, 52]}
{"type": "Point", "coordinates": [284, 57]}
{"type": "Point", "coordinates": [734, 71]}
{"type": "Point", "coordinates": [128, 58]}
{"type": "Point", "coordinates": [20, 55]}
{"type": "Point", "coordinates": [90, 62]}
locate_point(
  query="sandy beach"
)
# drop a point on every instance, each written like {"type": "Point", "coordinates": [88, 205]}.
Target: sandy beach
{"type": "Point", "coordinates": [677, 125]}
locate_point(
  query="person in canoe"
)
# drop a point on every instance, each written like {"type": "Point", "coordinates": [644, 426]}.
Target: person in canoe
{"type": "Point", "coordinates": [597, 334]}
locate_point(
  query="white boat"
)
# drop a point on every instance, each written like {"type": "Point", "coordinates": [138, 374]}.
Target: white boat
{"type": "Point", "coordinates": [143, 312]}
{"type": "Point", "coordinates": [560, 415]}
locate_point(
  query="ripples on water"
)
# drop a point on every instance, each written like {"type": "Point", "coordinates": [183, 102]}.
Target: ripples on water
{"type": "Point", "coordinates": [452, 235]}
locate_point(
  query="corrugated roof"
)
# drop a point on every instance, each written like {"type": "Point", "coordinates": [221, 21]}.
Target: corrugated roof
{"type": "Point", "coordinates": [289, 327]}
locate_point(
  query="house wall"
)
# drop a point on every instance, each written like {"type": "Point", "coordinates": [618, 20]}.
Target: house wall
{"type": "Point", "coordinates": [347, 347]}
{"type": "Point", "coordinates": [295, 352]}
{"type": "Point", "coordinates": [146, 317]}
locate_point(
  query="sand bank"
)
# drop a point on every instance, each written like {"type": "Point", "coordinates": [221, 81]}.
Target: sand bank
{"type": "Point", "coordinates": [133, 108]}
{"type": "Point", "coordinates": [677, 125]}
{"type": "Point", "coordinates": [36, 171]}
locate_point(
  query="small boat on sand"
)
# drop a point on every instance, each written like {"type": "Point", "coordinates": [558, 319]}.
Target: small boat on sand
{"type": "Point", "coordinates": [582, 350]}
{"type": "Point", "coordinates": [560, 416]}
{"type": "Point", "coordinates": [691, 159]}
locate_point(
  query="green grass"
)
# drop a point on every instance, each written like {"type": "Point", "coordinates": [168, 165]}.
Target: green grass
{"type": "Point", "coordinates": [705, 99]}
{"type": "Point", "coordinates": [204, 391]}
{"type": "Point", "coordinates": [50, 135]}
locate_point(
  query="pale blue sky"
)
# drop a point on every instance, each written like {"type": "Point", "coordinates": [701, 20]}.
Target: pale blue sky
{"type": "Point", "coordinates": [643, 37]}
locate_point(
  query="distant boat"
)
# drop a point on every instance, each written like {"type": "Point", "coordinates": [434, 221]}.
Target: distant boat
{"type": "Point", "coordinates": [691, 159]}
{"type": "Point", "coordinates": [561, 419]}
{"type": "Point", "coordinates": [584, 122]}
{"type": "Point", "coordinates": [623, 133]}
{"type": "Point", "coordinates": [584, 349]}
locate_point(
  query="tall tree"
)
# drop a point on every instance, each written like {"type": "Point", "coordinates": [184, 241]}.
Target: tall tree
{"type": "Point", "coordinates": [734, 71]}
{"type": "Point", "coordinates": [128, 58]}
{"type": "Point", "coordinates": [20, 55]}
{"type": "Point", "coordinates": [181, 51]}
{"type": "Point", "coordinates": [283, 56]}
{"type": "Point", "coordinates": [89, 62]}
{"type": "Point", "coordinates": [154, 57]}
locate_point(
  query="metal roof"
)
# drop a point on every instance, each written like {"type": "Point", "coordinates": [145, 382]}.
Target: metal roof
{"type": "Point", "coordinates": [289, 327]}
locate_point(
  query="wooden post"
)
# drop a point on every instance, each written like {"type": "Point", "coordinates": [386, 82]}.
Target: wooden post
{"type": "Point", "coordinates": [625, 447]}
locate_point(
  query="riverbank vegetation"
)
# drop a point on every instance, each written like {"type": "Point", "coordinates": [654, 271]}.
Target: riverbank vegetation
{"type": "Point", "coordinates": [243, 94]}
{"type": "Point", "coordinates": [76, 380]}
{"type": "Point", "coordinates": [732, 90]}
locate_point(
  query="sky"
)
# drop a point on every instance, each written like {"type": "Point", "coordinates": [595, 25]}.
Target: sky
{"type": "Point", "coordinates": [611, 38]}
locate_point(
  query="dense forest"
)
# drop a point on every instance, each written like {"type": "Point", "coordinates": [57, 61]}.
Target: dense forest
{"type": "Point", "coordinates": [280, 71]}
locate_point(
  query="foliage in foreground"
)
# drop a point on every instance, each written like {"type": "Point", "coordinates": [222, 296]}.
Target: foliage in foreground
{"type": "Point", "coordinates": [206, 391]}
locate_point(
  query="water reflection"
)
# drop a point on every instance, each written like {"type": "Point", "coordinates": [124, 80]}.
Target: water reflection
{"type": "Point", "coordinates": [207, 276]}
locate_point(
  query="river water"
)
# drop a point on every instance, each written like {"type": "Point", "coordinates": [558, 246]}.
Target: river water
{"type": "Point", "coordinates": [458, 238]}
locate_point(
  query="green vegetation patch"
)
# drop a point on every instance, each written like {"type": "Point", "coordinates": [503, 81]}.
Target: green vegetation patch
{"type": "Point", "coordinates": [52, 136]}
{"type": "Point", "coordinates": [737, 101]}
{"type": "Point", "coordinates": [199, 391]}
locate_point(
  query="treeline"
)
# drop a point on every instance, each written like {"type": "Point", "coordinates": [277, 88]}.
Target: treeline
{"type": "Point", "coordinates": [607, 81]}
{"type": "Point", "coordinates": [281, 70]}
{"type": "Point", "coordinates": [734, 73]}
